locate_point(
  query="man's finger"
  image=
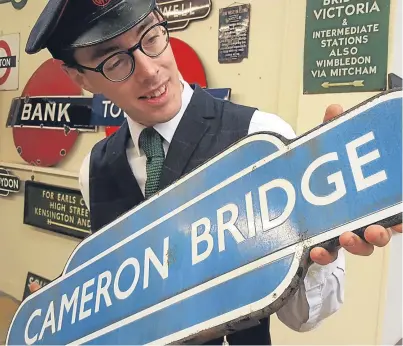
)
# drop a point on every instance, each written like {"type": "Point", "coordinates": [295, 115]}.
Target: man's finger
{"type": "Point", "coordinates": [322, 256]}
{"type": "Point", "coordinates": [397, 228]}
{"type": "Point", "coordinates": [332, 111]}
{"type": "Point", "coordinates": [355, 245]}
{"type": "Point", "coordinates": [377, 235]}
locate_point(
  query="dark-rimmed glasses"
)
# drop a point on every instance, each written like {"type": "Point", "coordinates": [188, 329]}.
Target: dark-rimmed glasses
{"type": "Point", "coordinates": [120, 65]}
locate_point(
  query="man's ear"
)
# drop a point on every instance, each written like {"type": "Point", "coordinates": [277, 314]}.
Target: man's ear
{"type": "Point", "coordinates": [78, 78]}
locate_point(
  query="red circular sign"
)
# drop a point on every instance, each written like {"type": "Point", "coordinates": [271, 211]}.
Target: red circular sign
{"type": "Point", "coordinates": [46, 147]}
{"type": "Point", "coordinates": [189, 65]}
{"type": "Point", "coordinates": [6, 47]}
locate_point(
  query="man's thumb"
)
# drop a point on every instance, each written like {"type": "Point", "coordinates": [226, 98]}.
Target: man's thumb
{"type": "Point", "coordinates": [332, 111]}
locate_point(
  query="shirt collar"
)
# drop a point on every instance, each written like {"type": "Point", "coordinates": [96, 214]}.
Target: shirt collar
{"type": "Point", "coordinates": [166, 130]}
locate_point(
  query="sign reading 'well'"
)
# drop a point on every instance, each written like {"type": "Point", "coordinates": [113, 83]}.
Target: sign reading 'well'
{"type": "Point", "coordinates": [346, 46]}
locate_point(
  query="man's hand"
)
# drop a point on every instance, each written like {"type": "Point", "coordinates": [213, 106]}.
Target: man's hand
{"type": "Point", "coordinates": [375, 235]}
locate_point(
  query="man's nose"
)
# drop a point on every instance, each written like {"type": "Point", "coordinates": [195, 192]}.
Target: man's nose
{"type": "Point", "coordinates": [145, 67]}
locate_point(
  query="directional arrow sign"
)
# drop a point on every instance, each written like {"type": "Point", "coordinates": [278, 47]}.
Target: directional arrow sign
{"type": "Point", "coordinates": [183, 266]}
{"type": "Point", "coordinates": [356, 83]}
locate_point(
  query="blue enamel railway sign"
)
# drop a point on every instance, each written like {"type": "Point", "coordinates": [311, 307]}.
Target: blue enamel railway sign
{"type": "Point", "coordinates": [182, 267]}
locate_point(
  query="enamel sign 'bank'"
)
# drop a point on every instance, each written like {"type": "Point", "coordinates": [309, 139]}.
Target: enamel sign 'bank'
{"type": "Point", "coordinates": [183, 266]}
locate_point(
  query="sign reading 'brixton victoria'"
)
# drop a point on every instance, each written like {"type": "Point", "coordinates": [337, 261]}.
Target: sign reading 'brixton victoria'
{"type": "Point", "coordinates": [183, 266]}
{"type": "Point", "coordinates": [346, 46]}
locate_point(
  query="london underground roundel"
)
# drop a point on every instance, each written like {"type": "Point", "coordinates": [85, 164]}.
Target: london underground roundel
{"type": "Point", "coordinates": [44, 146]}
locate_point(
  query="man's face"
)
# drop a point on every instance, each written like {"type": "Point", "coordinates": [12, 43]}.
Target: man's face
{"type": "Point", "coordinates": [152, 94]}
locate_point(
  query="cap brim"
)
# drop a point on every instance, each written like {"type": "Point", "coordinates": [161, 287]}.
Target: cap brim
{"type": "Point", "coordinates": [45, 25]}
{"type": "Point", "coordinates": [117, 20]}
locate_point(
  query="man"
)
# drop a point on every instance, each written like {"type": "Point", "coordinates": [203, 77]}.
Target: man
{"type": "Point", "coordinates": [120, 48]}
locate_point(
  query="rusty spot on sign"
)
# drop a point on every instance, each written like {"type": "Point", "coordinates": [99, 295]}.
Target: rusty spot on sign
{"type": "Point", "coordinates": [171, 255]}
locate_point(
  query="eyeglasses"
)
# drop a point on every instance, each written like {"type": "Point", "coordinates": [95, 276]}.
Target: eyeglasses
{"type": "Point", "coordinates": [120, 65]}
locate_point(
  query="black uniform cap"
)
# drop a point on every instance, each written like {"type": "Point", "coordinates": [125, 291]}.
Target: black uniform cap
{"type": "Point", "coordinates": [68, 24]}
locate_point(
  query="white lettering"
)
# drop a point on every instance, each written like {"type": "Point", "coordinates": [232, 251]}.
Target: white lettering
{"type": "Point", "coordinates": [204, 236]}
{"type": "Point", "coordinates": [250, 215]}
{"type": "Point", "coordinates": [63, 112]}
{"type": "Point", "coordinates": [49, 320]}
{"type": "Point", "coordinates": [26, 111]}
{"type": "Point", "coordinates": [229, 225]}
{"type": "Point", "coordinates": [264, 206]}
{"type": "Point", "coordinates": [106, 103]}
{"type": "Point", "coordinates": [85, 298]}
{"type": "Point", "coordinates": [66, 305]}
{"type": "Point", "coordinates": [335, 178]}
{"type": "Point", "coordinates": [356, 163]}
{"type": "Point", "coordinates": [103, 290]}
{"type": "Point", "coordinates": [136, 265]}
{"type": "Point", "coordinates": [162, 268]}
{"type": "Point", "coordinates": [28, 340]}
{"type": "Point", "coordinates": [114, 113]}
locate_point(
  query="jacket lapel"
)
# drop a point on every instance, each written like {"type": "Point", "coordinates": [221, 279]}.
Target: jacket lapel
{"type": "Point", "coordinates": [190, 131]}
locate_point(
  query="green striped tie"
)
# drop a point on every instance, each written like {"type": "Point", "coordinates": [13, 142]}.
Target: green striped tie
{"type": "Point", "coordinates": [151, 143]}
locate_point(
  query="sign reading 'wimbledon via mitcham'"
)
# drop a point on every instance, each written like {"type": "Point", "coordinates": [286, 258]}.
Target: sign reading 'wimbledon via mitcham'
{"type": "Point", "coordinates": [346, 46]}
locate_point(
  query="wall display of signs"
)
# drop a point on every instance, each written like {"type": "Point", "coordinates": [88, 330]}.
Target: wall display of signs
{"type": "Point", "coordinates": [55, 208]}
{"type": "Point", "coordinates": [179, 13]}
{"type": "Point", "coordinates": [17, 4]}
{"type": "Point", "coordinates": [233, 33]}
{"type": "Point", "coordinates": [9, 61]}
{"type": "Point", "coordinates": [346, 46]}
{"type": "Point", "coordinates": [8, 183]}
{"type": "Point", "coordinates": [36, 280]}
{"type": "Point", "coordinates": [49, 82]}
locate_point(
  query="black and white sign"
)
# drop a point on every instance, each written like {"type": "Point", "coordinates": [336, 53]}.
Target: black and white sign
{"type": "Point", "coordinates": [179, 13]}
{"type": "Point", "coordinates": [56, 208]}
{"type": "Point", "coordinates": [8, 182]}
{"type": "Point", "coordinates": [9, 61]}
{"type": "Point", "coordinates": [233, 33]}
{"type": "Point", "coordinates": [51, 112]}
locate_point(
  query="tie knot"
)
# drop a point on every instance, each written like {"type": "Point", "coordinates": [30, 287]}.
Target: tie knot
{"type": "Point", "coordinates": [151, 143]}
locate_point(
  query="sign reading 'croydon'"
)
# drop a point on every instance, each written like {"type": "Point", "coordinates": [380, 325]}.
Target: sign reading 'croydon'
{"type": "Point", "coordinates": [183, 266]}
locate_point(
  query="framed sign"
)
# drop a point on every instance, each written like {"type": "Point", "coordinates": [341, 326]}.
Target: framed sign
{"type": "Point", "coordinates": [55, 208]}
{"type": "Point", "coordinates": [233, 33]}
{"type": "Point", "coordinates": [346, 46]}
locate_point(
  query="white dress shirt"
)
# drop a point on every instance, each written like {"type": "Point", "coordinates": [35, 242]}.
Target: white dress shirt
{"type": "Point", "coordinates": [322, 292]}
